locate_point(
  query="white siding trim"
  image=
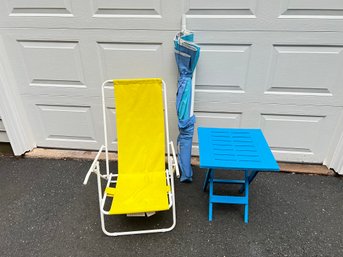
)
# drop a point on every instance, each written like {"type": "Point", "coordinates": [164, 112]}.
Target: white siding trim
{"type": "Point", "coordinates": [3, 135]}
{"type": "Point", "coordinates": [12, 110]}
{"type": "Point", "coordinates": [337, 159]}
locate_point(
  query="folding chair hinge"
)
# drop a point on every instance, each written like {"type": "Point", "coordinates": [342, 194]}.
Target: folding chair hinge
{"type": "Point", "coordinates": [173, 160]}
{"type": "Point", "coordinates": [94, 169]}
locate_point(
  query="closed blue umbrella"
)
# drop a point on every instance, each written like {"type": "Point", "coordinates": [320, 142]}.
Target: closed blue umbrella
{"type": "Point", "coordinates": [187, 55]}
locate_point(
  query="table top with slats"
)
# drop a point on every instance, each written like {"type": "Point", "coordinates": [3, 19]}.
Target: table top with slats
{"type": "Point", "coordinates": [236, 149]}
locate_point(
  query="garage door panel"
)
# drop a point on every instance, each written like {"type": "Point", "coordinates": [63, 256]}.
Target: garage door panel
{"type": "Point", "coordinates": [65, 122]}
{"type": "Point", "coordinates": [76, 125]}
{"type": "Point", "coordinates": [223, 67]}
{"type": "Point", "coordinates": [40, 13]}
{"type": "Point", "coordinates": [39, 8]}
{"type": "Point", "coordinates": [300, 130]}
{"type": "Point", "coordinates": [305, 74]}
{"type": "Point", "coordinates": [132, 14]}
{"type": "Point", "coordinates": [201, 8]}
{"type": "Point", "coordinates": [312, 9]}
{"type": "Point", "coordinates": [217, 100]}
{"type": "Point", "coordinates": [123, 60]}
{"type": "Point", "coordinates": [205, 15]}
{"type": "Point", "coordinates": [309, 15]}
{"type": "Point", "coordinates": [305, 69]}
{"type": "Point", "coordinates": [298, 134]}
{"type": "Point", "coordinates": [53, 63]}
{"type": "Point", "coordinates": [119, 8]}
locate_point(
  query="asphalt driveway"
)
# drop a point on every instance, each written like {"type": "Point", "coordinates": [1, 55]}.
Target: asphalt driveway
{"type": "Point", "coordinates": [46, 211]}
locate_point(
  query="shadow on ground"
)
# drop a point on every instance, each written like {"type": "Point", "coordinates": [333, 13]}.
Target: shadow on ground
{"type": "Point", "coordinates": [46, 211]}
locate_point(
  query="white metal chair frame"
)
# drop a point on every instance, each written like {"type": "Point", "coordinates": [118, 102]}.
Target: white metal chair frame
{"type": "Point", "coordinates": [112, 178]}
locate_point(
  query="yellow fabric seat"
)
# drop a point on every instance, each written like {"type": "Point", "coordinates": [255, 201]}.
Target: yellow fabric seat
{"type": "Point", "coordinates": [141, 185]}
{"type": "Point", "coordinates": [139, 193]}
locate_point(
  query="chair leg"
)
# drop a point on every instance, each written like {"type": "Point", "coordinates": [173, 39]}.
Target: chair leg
{"type": "Point", "coordinates": [102, 217]}
{"type": "Point", "coordinates": [136, 232]}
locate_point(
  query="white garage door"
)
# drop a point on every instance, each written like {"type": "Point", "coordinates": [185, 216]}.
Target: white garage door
{"type": "Point", "coordinates": [275, 64]}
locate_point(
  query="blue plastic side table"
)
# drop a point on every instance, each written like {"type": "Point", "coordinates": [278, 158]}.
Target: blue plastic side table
{"type": "Point", "coordinates": [233, 149]}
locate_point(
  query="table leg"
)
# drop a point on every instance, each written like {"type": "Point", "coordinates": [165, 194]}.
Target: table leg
{"type": "Point", "coordinates": [251, 178]}
{"type": "Point", "coordinates": [210, 204]}
{"type": "Point", "coordinates": [246, 195]}
{"type": "Point", "coordinates": [208, 174]}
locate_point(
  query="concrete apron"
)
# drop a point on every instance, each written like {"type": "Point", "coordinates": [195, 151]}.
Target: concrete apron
{"type": "Point", "coordinates": [316, 169]}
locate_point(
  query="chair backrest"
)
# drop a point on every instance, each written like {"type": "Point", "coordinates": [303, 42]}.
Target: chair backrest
{"type": "Point", "coordinates": [140, 125]}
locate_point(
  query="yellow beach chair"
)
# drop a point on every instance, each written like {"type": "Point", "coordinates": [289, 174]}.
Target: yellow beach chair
{"type": "Point", "coordinates": [142, 184]}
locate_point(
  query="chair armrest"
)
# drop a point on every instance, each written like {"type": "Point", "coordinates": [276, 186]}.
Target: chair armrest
{"type": "Point", "coordinates": [94, 163]}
